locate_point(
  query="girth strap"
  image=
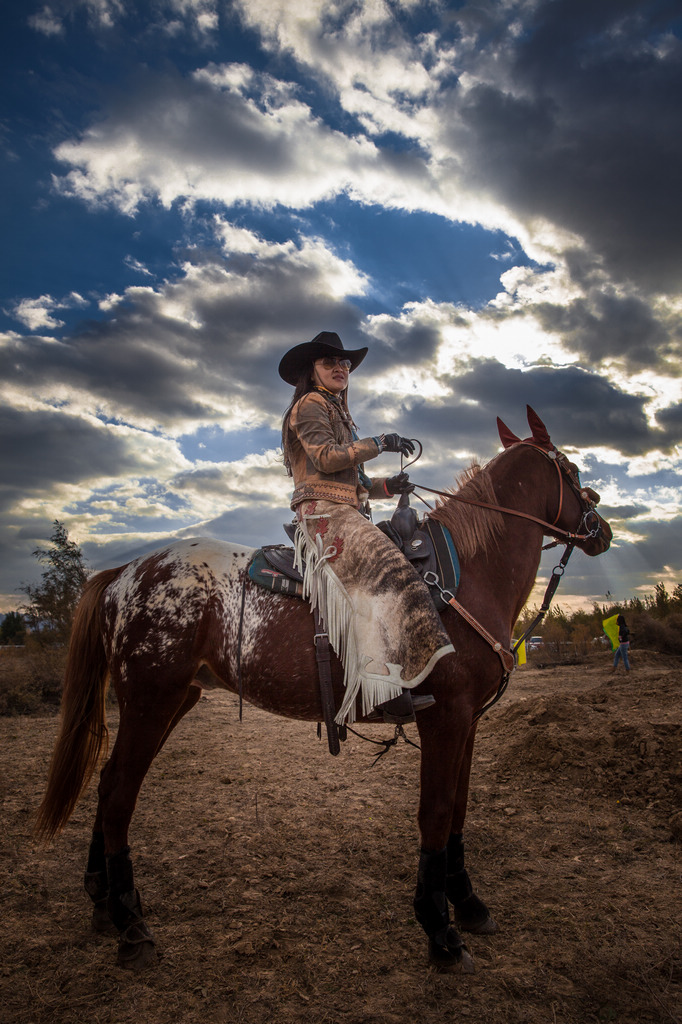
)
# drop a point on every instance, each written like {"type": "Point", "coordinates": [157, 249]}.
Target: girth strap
{"type": "Point", "coordinates": [326, 692]}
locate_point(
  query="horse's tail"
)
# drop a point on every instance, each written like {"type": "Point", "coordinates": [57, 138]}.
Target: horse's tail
{"type": "Point", "coordinates": [83, 730]}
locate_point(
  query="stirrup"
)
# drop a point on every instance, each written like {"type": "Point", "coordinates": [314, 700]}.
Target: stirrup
{"type": "Point", "coordinates": [401, 710]}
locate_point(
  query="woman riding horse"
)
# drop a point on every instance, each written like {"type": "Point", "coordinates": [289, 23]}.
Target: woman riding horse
{"type": "Point", "coordinates": [187, 617]}
{"type": "Point", "coordinates": [381, 619]}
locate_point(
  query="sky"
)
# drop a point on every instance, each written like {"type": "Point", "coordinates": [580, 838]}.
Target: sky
{"type": "Point", "coordinates": [485, 194]}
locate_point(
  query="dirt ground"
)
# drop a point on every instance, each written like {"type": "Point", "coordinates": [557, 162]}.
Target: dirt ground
{"type": "Point", "coordinates": [279, 880]}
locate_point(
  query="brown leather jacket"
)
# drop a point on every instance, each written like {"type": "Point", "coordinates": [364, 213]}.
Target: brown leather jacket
{"type": "Point", "coordinates": [325, 460]}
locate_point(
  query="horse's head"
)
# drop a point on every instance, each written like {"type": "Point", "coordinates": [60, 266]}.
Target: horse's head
{"type": "Point", "coordinates": [576, 512]}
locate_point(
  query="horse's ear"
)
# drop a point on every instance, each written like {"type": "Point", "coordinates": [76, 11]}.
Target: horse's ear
{"type": "Point", "coordinates": [538, 428]}
{"type": "Point", "coordinates": [506, 436]}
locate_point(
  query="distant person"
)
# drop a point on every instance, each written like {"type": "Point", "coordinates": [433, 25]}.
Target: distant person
{"type": "Point", "coordinates": [623, 644]}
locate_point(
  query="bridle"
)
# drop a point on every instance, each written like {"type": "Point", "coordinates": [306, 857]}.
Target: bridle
{"type": "Point", "coordinates": [590, 522]}
{"type": "Point", "coordinates": [567, 475]}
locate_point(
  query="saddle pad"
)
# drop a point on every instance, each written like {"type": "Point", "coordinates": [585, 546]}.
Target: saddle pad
{"type": "Point", "coordinates": [282, 558]}
{"type": "Point", "coordinates": [447, 560]}
{"type": "Point", "coordinates": [260, 571]}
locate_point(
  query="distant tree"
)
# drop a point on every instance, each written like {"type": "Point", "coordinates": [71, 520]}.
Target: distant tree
{"type": "Point", "coordinates": [51, 603]}
{"type": "Point", "coordinates": [581, 635]}
{"type": "Point", "coordinates": [525, 619]}
{"type": "Point", "coordinates": [662, 600]}
{"type": "Point", "coordinates": [13, 629]}
{"type": "Point", "coordinates": [555, 631]}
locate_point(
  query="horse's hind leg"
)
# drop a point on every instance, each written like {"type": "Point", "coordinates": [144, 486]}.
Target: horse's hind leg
{"type": "Point", "coordinates": [471, 913]}
{"type": "Point", "coordinates": [145, 723]}
{"type": "Point", "coordinates": [193, 695]}
{"type": "Point", "coordinates": [96, 879]}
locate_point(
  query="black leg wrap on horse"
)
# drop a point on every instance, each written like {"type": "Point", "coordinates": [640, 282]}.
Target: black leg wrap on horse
{"type": "Point", "coordinates": [97, 860]}
{"type": "Point", "coordinates": [458, 885]}
{"type": "Point", "coordinates": [123, 896]}
{"type": "Point", "coordinates": [430, 904]}
{"type": "Point", "coordinates": [96, 883]}
{"type": "Point", "coordinates": [471, 912]}
{"type": "Point", "coordinates": [97, 886]}
{"type": "Point", "coordinates": [125, 909]}
{"type": "Point", "coordinates": [446, 947]}
{"type": "Point", "coordinates": [96, 880]}
{"type": "Point", "coordinates": [124, 903]}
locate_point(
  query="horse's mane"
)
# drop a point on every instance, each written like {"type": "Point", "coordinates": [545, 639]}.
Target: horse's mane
{"type": "Point", "coordinates": [472, 529]}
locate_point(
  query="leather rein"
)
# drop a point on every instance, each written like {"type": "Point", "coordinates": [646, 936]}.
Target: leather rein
{"type": "Point", "coordinates": [558, 458]}
{"type": "Point", "coordinates": [508, 657]}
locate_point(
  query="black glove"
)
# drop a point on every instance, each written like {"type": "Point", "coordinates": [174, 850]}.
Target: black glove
{"type": "Point", "coordinates": [399, 484]}
{"type": "Point", "coordinates": [396, 443]}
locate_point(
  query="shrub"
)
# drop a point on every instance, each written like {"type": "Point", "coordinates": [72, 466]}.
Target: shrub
{"type": "Point", "coordinates": [664, 635]}
{"type": "Point", "coordinates": [30, 678]}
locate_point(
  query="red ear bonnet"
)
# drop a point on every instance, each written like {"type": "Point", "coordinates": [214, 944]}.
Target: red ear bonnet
{"type": "Point", "coordinates": [538, 429]}
{"type": "Point", "coordinates": [506, 436]}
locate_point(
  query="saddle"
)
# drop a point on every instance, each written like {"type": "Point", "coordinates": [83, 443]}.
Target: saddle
{"type": "Point", "coordinates": [428, 546]}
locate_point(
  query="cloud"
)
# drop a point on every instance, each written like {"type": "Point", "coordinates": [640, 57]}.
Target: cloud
{"type": "Point", "coordinates": [46, 21]}
{"type": "Point", "coordinates": [172, 16]}
{"type": "Point", "coordinates": [670, 419]}
{"type": "Point", "coordinates": [37, 313]}
{"type": "Point", "coordinates": [250, 139]}
{"type": "Point", "coordinates": [574, 123]}
{"type": "Point", "coordinates": [649, 555]}
{"type": "Point", "coordinates": [661, 545]}
{"type": "Point", "coordinates": [53, 18]}
{"type": "Point", "coordinates": [555, 123]}
{"type": "Point", "coordinates": [254, 481]}
{"type": "Point", "coordinates": [50, 450]}
{"type": "Point", "coordinates": [586, 408]}
{"type": "Point", "coordinates": [604, 325]}
{"type": "Point", "coordinates": [560, 117]}
{"type": "Point", "coordinates": [137, 266]}
{"type": "Point", "coordinates": [496, 127]}
{"type": "Point", "coordinates": [200, 348]}
{"type": "Point", "coordinates": [200, 15]}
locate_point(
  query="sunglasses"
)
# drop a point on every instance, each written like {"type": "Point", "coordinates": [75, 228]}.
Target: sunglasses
{"type": "Point", "coordinates": [329, 362]}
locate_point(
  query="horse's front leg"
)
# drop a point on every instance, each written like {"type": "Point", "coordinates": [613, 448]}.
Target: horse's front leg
{"type": "Point", "coordinates": [443, 732]}
{"type": "Point", "coordinates": [471, 913]}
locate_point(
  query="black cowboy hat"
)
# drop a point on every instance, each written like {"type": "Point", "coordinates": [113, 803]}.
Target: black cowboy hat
{"type": "Point", "coordinates": [326, 343]}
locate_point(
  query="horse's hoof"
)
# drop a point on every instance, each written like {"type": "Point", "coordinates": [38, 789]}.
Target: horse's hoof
{"type": "Point", "coordinates": [136, 947]}
{"type": "Point", "coordinates": [477, 925]}
{"type": "Point", "coordinates": [102, 923]}
{"type": "Point", "coordinates": [452, 955]}
{"type": "Point", "coordinates": [473, 916]}
{"type": "Point", "coordinates": [487, 927]}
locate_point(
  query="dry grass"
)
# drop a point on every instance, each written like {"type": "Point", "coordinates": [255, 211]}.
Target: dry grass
{"type": "Point", "coordinates": [279, 880]}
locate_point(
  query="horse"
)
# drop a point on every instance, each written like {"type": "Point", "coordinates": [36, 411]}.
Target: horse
{"type": "Point", "coordinates": [187, 617]}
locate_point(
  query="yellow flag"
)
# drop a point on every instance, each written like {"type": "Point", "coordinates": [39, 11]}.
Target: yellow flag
{"type": "Point", "coordinates": [521, 654]}
{"type": "Point", "coordinates": [610, 627]}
